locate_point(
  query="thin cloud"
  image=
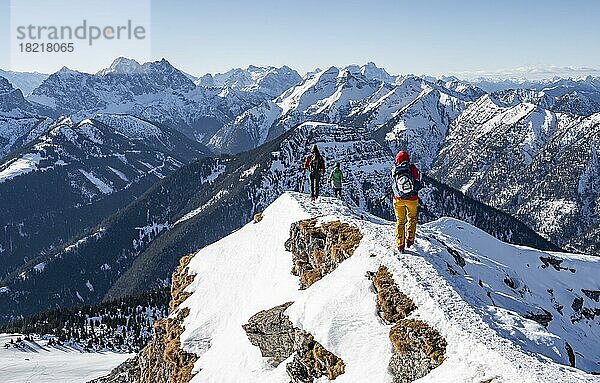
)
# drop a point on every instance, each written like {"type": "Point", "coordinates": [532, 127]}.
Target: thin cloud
{"type": "Point", "coordinates": [531, 73]}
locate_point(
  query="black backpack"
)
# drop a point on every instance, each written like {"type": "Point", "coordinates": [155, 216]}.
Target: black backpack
{"type": "Point", "coordinates": [316, 162]}
{"type": "Point", "coordinates": [406, 185]}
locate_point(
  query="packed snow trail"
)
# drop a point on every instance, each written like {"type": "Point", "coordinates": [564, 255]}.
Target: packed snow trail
{"type": "Point", "coordinates": [249, 271]}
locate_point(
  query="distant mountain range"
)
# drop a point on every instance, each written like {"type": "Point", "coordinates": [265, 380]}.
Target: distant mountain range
{"type": "Point", "coordinates": [25, 81]}
{"type": "Point", "coordinates": [118, 174]}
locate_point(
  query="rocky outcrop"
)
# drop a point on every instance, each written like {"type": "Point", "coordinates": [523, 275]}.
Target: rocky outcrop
{"type": "Point", "coordinates": [392, 304]}
{"type": "Point", "coordinates": [277, 338]}
{"type": "Point", "coordinates": [418, 348]}
{"type": "Point", "coordinates": [319, 248]}
{"type": "Point", "coordinates": [126, 372]}
{"type": "Point", "coordinates": [273, 333]}
{"type": "Point", "coordinates": [162, 360]}
{"type": "Point", "coordinates": [312, 361]}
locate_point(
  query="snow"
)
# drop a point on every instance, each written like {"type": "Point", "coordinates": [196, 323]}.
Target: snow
{"type": "Point", "coordinates": [23, 165]}
{"type": "Point", "coordinates": [130, 126]}
{"type": "Point", "coordinates": [38, 362]}
{"type": "Point", "coordinates": [41, 99]}
{"type": "Point", "coordinates": [4, 289]}
{"type": "Point", "coordinates": [119, 174]}
{"type": "Point", "coordinates": [214, 199]}
{"type": "Point", "coordinates": [540, 126]}
{"type": "Point", "coordinates": [247, 173]}
{"type": "Point", "coordinates": [102, 186]}
{"type": "Point", "coordinates": [217, 171]}
{"type": "Point", "coordinates": [40, 267]}
{"type": "Point", "coordinates": [90, 131]}
{"type": "Point", "coordinates": [485, 339]}
{"type": "Point", "coordinates": [147, 233]}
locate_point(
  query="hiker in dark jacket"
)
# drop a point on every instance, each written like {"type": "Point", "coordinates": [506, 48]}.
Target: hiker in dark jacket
{"type": "Point", "coordinates": [336, 178]}
{"type": "Point", "coordinates": [406, 182]}
{"type": "Point", "coordinates": [316, 167]}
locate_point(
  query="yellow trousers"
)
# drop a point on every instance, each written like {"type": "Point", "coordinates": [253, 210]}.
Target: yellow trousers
{"type": "Point", "coordinates": [406, 210]}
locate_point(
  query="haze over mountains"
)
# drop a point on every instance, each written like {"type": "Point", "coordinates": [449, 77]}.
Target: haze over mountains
{"type": "Point", "coordinates": [118, 174]}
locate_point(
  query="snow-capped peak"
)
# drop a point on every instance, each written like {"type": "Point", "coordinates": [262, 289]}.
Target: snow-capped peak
{"type": "Point", "coordinates": [372, 71]}
{"type": "Point", "coordinates": [122, 65]}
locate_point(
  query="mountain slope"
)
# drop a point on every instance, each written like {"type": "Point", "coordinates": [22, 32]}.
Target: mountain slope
{"type": "Point", "coordinates": [270, 81]}
{"type": "Point", "coordinates": [20, 121]}
{"type": "Point", "coordinates": [135, 249]}
{"type": "Point", "coordinates": [25, 81]}
{"type": "Point", "coordinates": [75, 174]}
{"type": "Point", "coordinates": [411, 113]}
{"type": "Point", "coordinates": [478, 295]}
{"type": "Point", "coordinates": [540, 166]}
{"type": "Point", "coordinates": [104, 251]}
{"type": "Point", "coordinates": [255, 179]}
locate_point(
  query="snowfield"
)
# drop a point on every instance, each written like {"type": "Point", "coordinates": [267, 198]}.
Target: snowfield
{"type": "Point", "coordinates": [36, 362]}
{"type": "Point", "coordinates": [479, 308]}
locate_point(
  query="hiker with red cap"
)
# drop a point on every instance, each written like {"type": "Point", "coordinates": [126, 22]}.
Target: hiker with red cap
{"type": "Point", "coordinates": [406, 184]}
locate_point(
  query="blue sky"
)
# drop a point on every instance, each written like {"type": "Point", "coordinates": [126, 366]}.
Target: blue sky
{"type": "Point", "coordinates": [421, 37]}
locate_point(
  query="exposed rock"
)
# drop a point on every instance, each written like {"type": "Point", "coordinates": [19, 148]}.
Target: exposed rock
{"type": "Point", "coordinates": [392, 304]}
{"type": "Point", "coordinates": [542, 318]}
{"type": "Point", "coordinates": [276, 337]}
{"type": "Point", "coordinates": [555, 263]}
{"type": "Point", "coordinates": [457, 257]}
{"type": "Point", "coordinates": [418, 349]}
{"type": "Point", "coordinates": [577, 304]}
{"type": "Point", "coordinates": [126, 372]}
{"type": "Point", "coordinates": [312, 361]}
{"type": "Point", "coordinates": [580, 311]}
{"type": "Point", "coordinates": [410, 365]}
{"type": "Point", "coordinates": [273, 333]}
{"type": "Point", "coordinates": [592, 294]}
{"type": "Point", "coordinates": [258, 217]}
{"type": "Point", "coordinates": [318, 250]}
{"type": "Point", "coordinates": [509, 282]}
{"type": "Point", "coordinates": [180, 280]}
{"type": "Point", "coordinates": [162, 360]}
{"type": "Point", "coordinates": [570, 353]}
{"type": "Point", "coordinates": [298, 371]}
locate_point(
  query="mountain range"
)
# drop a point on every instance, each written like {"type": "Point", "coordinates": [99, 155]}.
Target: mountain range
{"type": "Point", "coordinates": [118, 174]}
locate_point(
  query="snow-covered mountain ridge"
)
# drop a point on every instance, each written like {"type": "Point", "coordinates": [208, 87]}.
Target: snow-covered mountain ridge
{"type": "Point", "coordinates": [408, 111]}
{"type": "Point", "coordinates": [534, 163]}
{"type": "Point", "coordinates": [505, 313]}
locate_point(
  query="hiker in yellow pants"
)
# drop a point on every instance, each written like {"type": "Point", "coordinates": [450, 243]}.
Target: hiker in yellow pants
{"type": "Point", "coordinates": [406, 184]}
{"type": "Point", "coordinates": [406, 222]}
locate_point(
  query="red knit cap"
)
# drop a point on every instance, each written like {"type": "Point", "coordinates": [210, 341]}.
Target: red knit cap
{"type": "Point", "coordinates": [401, 157]}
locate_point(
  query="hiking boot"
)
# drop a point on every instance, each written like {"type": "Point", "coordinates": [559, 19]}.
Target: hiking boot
{"type": "Point", "coordinates": [401, 249]}
{"type": "Point", "coordinates": [409, 243]}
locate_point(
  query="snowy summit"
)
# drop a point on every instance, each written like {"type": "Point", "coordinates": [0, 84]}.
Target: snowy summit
{"type": "Point", "coordinates": [460, 306]}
